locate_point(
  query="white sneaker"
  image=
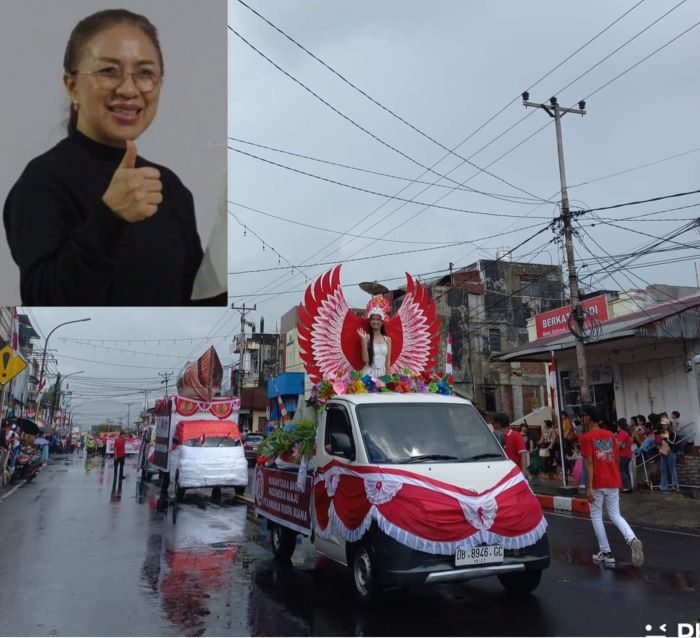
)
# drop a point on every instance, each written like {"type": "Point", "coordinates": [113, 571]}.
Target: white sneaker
{"type": "Point", "coordinates": [606, 558]}
{"type": "Point", "coordinates": [637, 552]}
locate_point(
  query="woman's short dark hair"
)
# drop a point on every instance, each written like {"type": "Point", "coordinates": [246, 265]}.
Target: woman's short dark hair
{"type": "Point", "coordinates": [93, 24]}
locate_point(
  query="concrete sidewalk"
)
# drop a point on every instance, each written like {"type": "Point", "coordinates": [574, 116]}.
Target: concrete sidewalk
{"type": "Point", "coordinates": [642, 507]}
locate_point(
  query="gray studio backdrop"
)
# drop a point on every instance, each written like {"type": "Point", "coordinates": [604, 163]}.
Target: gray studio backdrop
{"type": "Point", "coordinates": [189, 133]}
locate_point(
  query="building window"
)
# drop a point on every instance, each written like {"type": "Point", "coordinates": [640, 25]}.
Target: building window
{"type": "Point", "coordinates": [523, 336]}
{"type": "Point", "coordinates": [490, 398]}
{"type": "Point", "coordinates": [495, 339]}
{"type": "Point", "coordinates": [530, 286]}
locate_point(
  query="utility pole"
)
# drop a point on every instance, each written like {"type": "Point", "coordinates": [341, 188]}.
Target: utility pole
{"type": "Point", "coordinates": [241, 347]}
{"type": "Point", "coordinates": [165, 376]}
{"type": "Point", "coordinates": [554, 110]}
{"type": "Point", "coordinates": [55, 399]}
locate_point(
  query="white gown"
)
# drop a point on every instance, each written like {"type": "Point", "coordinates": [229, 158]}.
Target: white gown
{"type": "Point", "coordinates": [378, 368]}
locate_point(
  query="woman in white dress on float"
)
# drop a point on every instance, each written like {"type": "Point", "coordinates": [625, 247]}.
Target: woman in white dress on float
{"type": "Point", "coordinates": [376, 346]}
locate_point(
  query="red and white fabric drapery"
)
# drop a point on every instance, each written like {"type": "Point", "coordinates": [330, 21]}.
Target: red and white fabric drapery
{"type": "Point", "coordinates": [425, 514]}
{"type": "Point", "coordinates": [220, 408]}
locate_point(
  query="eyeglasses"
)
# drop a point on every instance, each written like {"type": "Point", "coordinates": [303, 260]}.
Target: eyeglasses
{"type": "Point", "coordinates": [110, 77]}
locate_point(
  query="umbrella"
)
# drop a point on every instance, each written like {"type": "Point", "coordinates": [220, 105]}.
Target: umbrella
{"type": "Point", "coordinates": [40, 441]}
{"type": "Point", "coordinates": [28, 426]}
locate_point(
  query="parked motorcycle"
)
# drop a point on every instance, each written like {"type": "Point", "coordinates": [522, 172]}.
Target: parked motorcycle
{"type": "Point", "coordinates": [27, 466]}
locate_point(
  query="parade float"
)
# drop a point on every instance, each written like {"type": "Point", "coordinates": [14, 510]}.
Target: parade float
{"type": "Point", "coordinates": [197, 440]}
{"type": "Point", "coordinates": [396, 477]}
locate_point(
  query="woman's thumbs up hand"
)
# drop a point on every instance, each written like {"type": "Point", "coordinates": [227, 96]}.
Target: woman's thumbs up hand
{"type": "Point", "coordinates": [134, 193]}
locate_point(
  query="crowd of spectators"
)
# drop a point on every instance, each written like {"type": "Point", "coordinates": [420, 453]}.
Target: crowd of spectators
{"type": "Point", "coordinates": [652, 443]}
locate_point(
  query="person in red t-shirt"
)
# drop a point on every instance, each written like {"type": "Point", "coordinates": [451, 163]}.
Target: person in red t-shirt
{"type": "Point", "coordinates": [513, 441]}
{"type": "Point", "coordinates": [600, 453]}
{"type": "Point", "coordinates": [624, 447]}
{"type": "Point", "coordinates": [119, 458]}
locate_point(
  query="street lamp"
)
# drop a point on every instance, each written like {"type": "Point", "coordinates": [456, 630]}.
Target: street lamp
{"type": "Point", "coordinates": [46, 343]}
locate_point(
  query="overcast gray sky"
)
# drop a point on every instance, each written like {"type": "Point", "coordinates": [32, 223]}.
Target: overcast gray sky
{"type": "Point", "coordinates": [448, 67]}
{"type": "Point", "coordinates": [121, 352]}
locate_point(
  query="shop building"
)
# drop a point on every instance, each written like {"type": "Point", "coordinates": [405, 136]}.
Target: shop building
{"type": "Point", "coordinates": [643, 357]}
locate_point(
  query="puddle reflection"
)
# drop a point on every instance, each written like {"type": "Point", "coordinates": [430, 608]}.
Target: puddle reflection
{"type": "Point", "coordinates": [190, 558]}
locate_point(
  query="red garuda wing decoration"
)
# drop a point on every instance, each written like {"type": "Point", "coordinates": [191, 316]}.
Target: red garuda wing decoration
{"type": "Point", "coordinates": [414, 330]}
{"type": "Point", "coordinates": [328, 339]}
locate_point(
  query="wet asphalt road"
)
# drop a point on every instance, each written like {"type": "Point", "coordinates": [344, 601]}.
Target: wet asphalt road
{"type": "Point", "coordinates": [75, 561]}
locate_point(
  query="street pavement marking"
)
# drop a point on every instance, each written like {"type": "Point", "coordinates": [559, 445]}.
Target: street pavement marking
{"type": "Point", "coordinates": [609, 523]}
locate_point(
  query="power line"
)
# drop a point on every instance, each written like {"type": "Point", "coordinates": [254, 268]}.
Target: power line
{"type": "Point", "coordinates": [510, 128]}
{"type": "Point", "coordinates": [635, 168]}
{"type": "Point", "coordinates": [605, 84]}
{"type": "Point", "coordinates": [350, 120]}
{"type": "Point", "coordinates": [372, 192]}
{"type": "Point", "coordinates": [637, 202]}
{"type": "Point", "coordinates": [656, 212]}
{"type": "Point", "coordinates": [489, 143]}
{"type": "Point", "coordinates": [330, 230]}
{"type": "Point", "coordinates": [439, 244]}
{"type": "Point", "coordinates": [647, 248]}
{"type": "Point", "coordinates": [413, 127]}
{"type": "Point", "coordinates": [164, 340]}
{"type": "Point", "coordinates": [513, 199]}
{"type": "Point", "coordinates": [623, 269]}
{"type": "Point", "coordinates": [622, 46]}
{"type": "Point", "coordinates": [639, 232]}
{"type": "Point", "coordinates": [644, 59]}
{"type": "Point", "coordinates": [328, 263]}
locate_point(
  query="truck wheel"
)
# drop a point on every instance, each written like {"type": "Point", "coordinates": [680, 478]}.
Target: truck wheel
{"type": "Point", "coordinates": [179, 491]}
{"type": "Point", "coordinates": [216, 494]}
{"type": "Point", "coordinates": [284, 540]}
{"type": "Point", "coordinates": [522, 582]}
{"type": "Point", "coordinates": [240, 489]}
{"type": "Point", "coordinates": [363, 565]}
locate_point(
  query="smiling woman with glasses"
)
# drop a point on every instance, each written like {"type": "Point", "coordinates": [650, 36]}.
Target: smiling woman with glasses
{"type": "Point", "coordinates": [90, 222]}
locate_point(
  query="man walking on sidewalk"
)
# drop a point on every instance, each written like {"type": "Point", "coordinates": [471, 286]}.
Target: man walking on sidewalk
{"type": "Point", "coordinates": [119, 457]}
{"type": "Point", "coordinates": [599, 450]}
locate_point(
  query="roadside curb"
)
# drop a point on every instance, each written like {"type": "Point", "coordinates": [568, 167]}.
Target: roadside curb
{"type": "Point", "coordinates": [563, 503]}
{"type": "Point", "coordinates": [10, 491]}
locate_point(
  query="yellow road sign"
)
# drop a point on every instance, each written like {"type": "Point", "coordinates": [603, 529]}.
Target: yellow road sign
{"type": "Point", "coordinates": [11, 365]}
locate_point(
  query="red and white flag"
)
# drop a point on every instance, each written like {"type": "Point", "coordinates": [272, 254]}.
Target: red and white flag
{"type": "Point", "coordinates": [283, 410]}
{"type": "Point", "coordinates": [15, 329]}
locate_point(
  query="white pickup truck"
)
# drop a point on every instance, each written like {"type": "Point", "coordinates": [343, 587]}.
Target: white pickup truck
{"type": "Point", "coordinates": [408, 489]}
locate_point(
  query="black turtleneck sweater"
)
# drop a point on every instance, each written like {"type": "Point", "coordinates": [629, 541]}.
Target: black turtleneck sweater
{"type": "Point", "coordinates": [72, 250]}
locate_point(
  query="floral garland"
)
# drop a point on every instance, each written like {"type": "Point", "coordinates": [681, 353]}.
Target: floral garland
{"type": "Point", "coordinates": [357, 383]}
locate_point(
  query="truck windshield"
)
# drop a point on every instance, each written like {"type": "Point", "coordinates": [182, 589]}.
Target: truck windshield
{"type": "Point", "coordinates": [419, 432]}
{"type": "Point", "coordinates": [213, 441]}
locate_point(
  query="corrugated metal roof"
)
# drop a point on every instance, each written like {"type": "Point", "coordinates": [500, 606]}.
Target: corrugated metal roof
{"type": "Point", "coordinates": [674, 319]}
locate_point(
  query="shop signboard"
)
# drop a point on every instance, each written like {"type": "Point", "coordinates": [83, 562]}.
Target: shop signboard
{"type": "Point", "coordinates": [555, 322]}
